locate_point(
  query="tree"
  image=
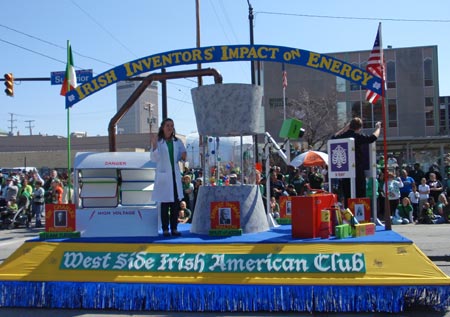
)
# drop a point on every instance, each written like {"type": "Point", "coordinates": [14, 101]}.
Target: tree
{"type": "Point", "coordinates": [319, 116]}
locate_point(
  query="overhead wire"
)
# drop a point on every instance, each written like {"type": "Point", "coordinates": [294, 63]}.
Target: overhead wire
{"type": "Point", "coordinates": [103, 28]}
{"type": "Point", "coordinates": [352, 18]}
{"type": "Point", "coordinates": [51, 44]}
{"type": "Point", "coordinates": [230, 28]}
{"type": "Point", "coordinates": [230, 25]}
{"type": "Point", "coordinates": [118, 41]}
{"type": "Point", "coordinates": [73, 51]}
{"type": "Point", "coordinates": [32, 51]}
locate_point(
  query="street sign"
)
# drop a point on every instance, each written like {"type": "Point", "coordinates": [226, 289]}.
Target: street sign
{"type": "Point", "coordinates": [83, 76]}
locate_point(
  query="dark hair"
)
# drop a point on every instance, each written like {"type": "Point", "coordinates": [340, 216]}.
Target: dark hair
{"type": "Point", "coordinates": [161, 131]}
{"type": "Point", "coordinates": [356, 124]}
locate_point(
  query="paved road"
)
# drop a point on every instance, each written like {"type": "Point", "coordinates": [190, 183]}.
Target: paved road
{"type": "Point", "coordinates": [433, 240]}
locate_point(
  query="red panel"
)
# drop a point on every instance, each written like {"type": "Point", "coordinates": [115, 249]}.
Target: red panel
{"type": "Point", "coordinates": [307, 216]}
{"type": "Point", "coordinates": [285, 206]}
{"type": "Point", "coordinates": [232, 211]}
{"type": "Point", "coordinates": [360, 208]}
{"type": "Point", "coordinates": [60, 217]}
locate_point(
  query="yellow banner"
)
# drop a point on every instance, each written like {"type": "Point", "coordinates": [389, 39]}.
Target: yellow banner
{"type": "Point", "coordinates": [264, 264]}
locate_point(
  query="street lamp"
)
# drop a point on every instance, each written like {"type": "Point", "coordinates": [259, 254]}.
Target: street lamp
{"type": "Point", "coordinates": [252, 69]}
{"type": "Point", "coordinates": [250, 20]}
{"type": "Point", "coordinates": [149, 108]}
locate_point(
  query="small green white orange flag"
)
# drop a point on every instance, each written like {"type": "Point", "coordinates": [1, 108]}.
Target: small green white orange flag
{"type": "Point", "coordinates": [70, 77]}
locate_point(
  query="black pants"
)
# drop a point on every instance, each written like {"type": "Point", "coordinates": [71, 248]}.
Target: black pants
{"type": "Point", "coordinates": [360, 188]}
{"type": "Point", "coordinates": [169, 215]}
{"type": "Point", "coordinates": [169, 210]}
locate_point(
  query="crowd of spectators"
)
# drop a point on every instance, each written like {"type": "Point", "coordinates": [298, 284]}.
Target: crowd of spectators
{"type": "Point", "coordinates": [31, 191]}
{"type": "Point", "coordinates": [426, 192]}
{"type": "Point", "coordinates": [295, 182]}
{"type": "Point", "coordinates": [429, 203]}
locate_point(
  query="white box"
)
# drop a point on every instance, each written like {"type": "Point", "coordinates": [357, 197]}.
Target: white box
{"type": "Point", "coordinates": [117, 222]}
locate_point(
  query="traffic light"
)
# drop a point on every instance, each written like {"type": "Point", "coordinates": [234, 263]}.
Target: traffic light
{"type": "Point", "coordinates": [9, 84]}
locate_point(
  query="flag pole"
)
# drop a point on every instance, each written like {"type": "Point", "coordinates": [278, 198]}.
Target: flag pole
{"type": "Point", "coordinates": [284, 83]}
{"type": "Point", "coordinates": [69, 151]}
{"type": "Point", "coordinates": [69, 157]}
{"type": "Point", "coordinates": [387, 206]}
{"type": "Point", "coordinates": [375, 66]}
{"type": "Point", "coordinates": [387, 209]}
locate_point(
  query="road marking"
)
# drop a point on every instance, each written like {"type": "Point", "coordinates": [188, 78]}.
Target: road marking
{"type": "Point", "coordinates": [13, 241]}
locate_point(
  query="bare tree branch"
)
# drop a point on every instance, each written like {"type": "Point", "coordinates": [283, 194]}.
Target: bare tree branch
{"type": "Point", "coordinates": [319, 116]}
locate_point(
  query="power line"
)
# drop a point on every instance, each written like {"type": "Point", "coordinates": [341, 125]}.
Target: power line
{"type": "Point", "coordinates": [227, 19]}
{"type": "Point", "coordinates": [224, 29]}
{"type": "Point", "coordinates": [49, 43]}
{"type": "Point", "coordinates": [11, 123]}
{"type": "Point", "coordinates": [220, 22]}
{"type": "Point", "coordinates": [30, 50]}
{"type": "Point", "coordinates": [64, 62]}
{"type": "Point", "coordinates": [103, 28]}
{"type": "Point", "coordinates": [64, 48]}
{"type": "Point", "coordinates": [31, 36]}
{"type": "Point", "coordinates": [30, 127]}
{"type": "Point", "coordinates": [352, 18]}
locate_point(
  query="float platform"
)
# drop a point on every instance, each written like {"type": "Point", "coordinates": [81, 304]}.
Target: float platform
{"type": "Point", "coordinates": [257, 272]}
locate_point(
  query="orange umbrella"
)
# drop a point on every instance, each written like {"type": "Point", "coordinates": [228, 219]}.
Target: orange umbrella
{"type": "Point", "coordinates": [310, 158]}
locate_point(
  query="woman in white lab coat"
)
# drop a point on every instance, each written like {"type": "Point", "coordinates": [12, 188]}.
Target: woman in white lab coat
{"type": "Point", "coordinates": [168, 150]}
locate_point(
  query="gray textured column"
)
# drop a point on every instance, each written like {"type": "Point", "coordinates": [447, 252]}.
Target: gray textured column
{"type": "Point", "coordinates": [227, 109]}
{"type": "Point", "coordinates": [252, 213]}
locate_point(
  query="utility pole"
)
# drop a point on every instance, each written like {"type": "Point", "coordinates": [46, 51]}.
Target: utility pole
{"type": "Point", "coordinates": [11, 124]}
{"type": "Point", "coordinates": [29, 127]}
{"type": "Point", "coordinates": [197, 19]}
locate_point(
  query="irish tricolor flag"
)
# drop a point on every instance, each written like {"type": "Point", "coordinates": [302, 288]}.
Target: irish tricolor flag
{"type": "Point", "coordinates": [70, 78]}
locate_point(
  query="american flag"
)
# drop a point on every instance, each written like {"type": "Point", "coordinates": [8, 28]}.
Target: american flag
{"type": "Point", "coordinates": [284, 77]}
{"type": "Point", "coordinates": [375, 66]}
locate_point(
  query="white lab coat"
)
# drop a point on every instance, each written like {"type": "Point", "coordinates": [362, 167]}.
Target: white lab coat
{"type": "Point", "coordinates": [163, 188]}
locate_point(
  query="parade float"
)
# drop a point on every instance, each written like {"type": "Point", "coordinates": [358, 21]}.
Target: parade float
{"type": "Point", "coordinates": [120, 261]}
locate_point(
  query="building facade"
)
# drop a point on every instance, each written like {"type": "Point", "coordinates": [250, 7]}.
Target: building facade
{"type": "Point", "coordinates": [142, 117]}
{"type": "Point", "coordinates": [51, 151]}
{"type": "Point", "coordinates": [417, 118]}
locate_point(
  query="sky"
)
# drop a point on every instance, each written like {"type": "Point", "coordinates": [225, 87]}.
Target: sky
{"type": "Point", "coordinates": [108, 33]}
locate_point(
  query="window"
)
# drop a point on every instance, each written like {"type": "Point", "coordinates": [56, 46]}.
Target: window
{"type": "Point", "coordinates": [390, 75]}
{"type": "Point", "coordinates": [276, 102]}
{"type": "Point", "coordinates": [356, 109]}
{"type": "Point", "coordinates": [429, 111]}
{"type": "Point", "coordinates": [428, 72]}
{"type": "Point", "coordinates": [341, 113]}
{"type": "Point", "coordinates": [444, 110]}
{"type": "Point", "coordinates": [354, 86]}
{"type": "Point", "coordinates": [371, 114]}
{"type": "Point", "coordinates": [377, 113]}
{"type": "Point", "coordinates": [340, 84]}
{"type": "Point", "coordinates": [367, 114]}
{"type": "Point", "coordinates": [442, 118]}
{"type": "Point", "coordinates": [392, 113]}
